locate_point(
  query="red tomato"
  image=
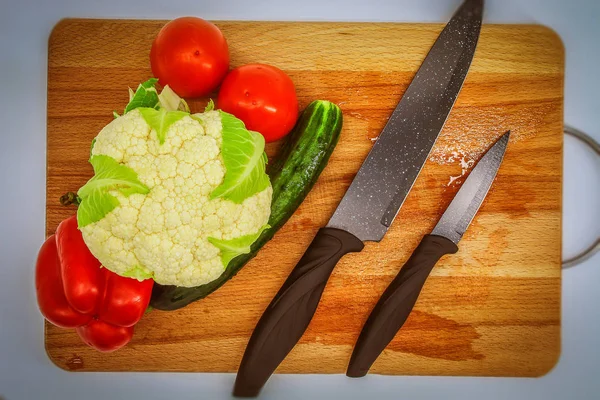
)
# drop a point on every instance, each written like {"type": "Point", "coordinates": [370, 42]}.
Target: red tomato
{"type": "Point", "coordinates": [263, 97]}
{"type": "Point", "coordinates": [190, 55]}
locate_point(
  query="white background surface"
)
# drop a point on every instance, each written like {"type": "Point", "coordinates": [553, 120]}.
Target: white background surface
{"type": "Point", "coordinates": [26, 372]}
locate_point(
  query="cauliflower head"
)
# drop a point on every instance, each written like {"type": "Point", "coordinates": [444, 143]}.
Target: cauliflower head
{"type": "Point", "coordinates": [175, 196]}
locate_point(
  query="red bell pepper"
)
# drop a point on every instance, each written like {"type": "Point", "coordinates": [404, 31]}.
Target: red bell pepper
{"type": "Point", "coordinates": [75, 291]}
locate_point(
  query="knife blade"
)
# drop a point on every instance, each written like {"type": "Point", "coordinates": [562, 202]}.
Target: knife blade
{"type": "Point", "coordinates": [388, 173]}
{"type": "Point", "coordinates": [398, 300]}
{"type": "Point", "coordinates": [373, 199]}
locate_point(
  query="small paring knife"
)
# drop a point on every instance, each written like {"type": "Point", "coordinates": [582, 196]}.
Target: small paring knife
{"type": "Point", "coordinates": [398, 300]}
{"type": "Point", "coordinates": [373, 199]}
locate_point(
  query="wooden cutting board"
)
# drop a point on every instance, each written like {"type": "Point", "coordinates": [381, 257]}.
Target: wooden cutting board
{"type": "Point", "coordinates": [492, 309]}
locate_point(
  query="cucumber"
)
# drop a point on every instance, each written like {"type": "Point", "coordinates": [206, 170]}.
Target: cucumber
{"type": "Point", "coordinates": [302, 158]}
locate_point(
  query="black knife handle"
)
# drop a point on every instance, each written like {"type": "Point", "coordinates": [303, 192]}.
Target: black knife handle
{"type": "Point", "coordinates": [396, 303]}
{"type": "Point", "coordinates": [287, 317]}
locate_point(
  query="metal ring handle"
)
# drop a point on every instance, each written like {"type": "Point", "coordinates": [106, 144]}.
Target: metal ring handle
{"type": "Point", "coordinates": [591, 250]}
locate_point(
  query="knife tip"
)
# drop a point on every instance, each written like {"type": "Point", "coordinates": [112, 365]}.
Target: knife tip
{"type": "Point", "coordinates": [474, 6]}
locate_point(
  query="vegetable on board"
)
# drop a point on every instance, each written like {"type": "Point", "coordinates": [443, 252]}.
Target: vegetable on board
{"type": "Point", "coordinates": [263, 96]}
{"type": "Point", "coordinates": [175, 196]}
{"type": "Point", "coordinates": [190, 55]}
{"type": "Point", "coordinates": [301, 160]}
{"type": "Point", "coordinates": [74, 291]}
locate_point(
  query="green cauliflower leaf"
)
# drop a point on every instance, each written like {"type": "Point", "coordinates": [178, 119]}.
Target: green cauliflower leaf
{"type": "Point", "coordinates": [138, 272]}
{"type": "Point", "coordinates": [95, 206]}
{"type": "Point", "coordinates": [96, 201]}
{"type": "Point", "coordinates": [145, 96]}
{"type": "Point", "coordinates": [234, 247]}
{"type": "Point", "coordinates": [244, 158]}
{"type": "Point", "coordinates": [170, 101]}
{"type": "Point", "coordinates": [160, 120]}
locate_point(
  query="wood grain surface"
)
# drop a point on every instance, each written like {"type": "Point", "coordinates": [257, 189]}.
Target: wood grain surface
{"type": "Point", "coordinates": [492, 309]}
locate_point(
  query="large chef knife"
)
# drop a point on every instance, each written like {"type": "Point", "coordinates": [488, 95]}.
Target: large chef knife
{"type": "Point", "coordinates": [398, 300]}
{"type": "Point", "coordinates": [374, 198]}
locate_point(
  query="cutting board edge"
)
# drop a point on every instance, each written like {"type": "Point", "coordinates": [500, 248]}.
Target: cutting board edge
{"type": "Point", "coordinates": [541, 371]}
{"type": "Point", "coordinates": [65, 21]}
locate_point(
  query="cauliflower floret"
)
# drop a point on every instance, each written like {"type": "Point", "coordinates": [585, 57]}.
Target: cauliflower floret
{"type": "Point", "coordinates": [165, 232]}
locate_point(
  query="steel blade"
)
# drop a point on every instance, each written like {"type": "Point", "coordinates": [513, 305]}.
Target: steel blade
{"type": "Point", "coordinates": [466, 203]}
{"type": "Point", "coordinates": [395, 160]}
